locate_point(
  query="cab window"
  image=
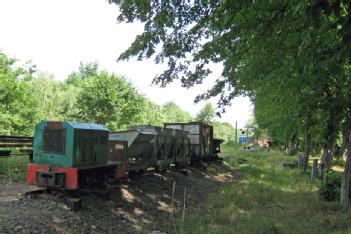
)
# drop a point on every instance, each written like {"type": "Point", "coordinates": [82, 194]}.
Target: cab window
{"type": "Point", "coordinates": [54, 140]}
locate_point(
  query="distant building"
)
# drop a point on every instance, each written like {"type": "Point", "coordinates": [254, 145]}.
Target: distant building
{"type": "Point", "coordinates": [264, 141]}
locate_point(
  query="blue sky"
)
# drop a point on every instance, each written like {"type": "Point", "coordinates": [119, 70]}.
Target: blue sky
{"type": "Point", "coordinates": [58, 35]}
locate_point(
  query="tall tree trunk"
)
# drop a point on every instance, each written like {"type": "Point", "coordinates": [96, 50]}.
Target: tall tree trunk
{"type": "Point", "coordinates": [328, 145]}
{"type": "Point", "coordinates": [345, 179]}
{"type": "Point", "coordinates": [324, 160]}
{"type": "Point", "coordinates": [308, 148]}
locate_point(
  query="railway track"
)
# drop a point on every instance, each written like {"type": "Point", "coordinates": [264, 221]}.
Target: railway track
{"type": "Point", "coordinates": [72, 198]}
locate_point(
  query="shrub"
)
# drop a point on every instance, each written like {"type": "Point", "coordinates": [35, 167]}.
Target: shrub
{"type": "Point", "coordinates": [330, 187]}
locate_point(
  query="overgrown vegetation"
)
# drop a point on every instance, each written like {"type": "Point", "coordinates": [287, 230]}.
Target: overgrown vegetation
{"type": "Point", "coordinates": [330, 186]}
{"type": "Point", "coordinates": [268, 199]}
{"type": "Point", "coordinates": [291, 57]}
{"type": "Point", "coordinates": [87, 95]}
{"type": "Point", "coordinates": [14, 168]}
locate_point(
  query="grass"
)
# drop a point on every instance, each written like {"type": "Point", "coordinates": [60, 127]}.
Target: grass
{"type": "Point", "coordinates": [14, 169]}
{"type": "Point", "coordinates": [268, 199]}
{"type": "Point", "coordinates": [4, 226]}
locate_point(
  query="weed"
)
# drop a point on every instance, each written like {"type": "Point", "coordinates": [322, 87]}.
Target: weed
{"type": "Point", "coordinates": [14, 168]}
{"type": "Point", "coordinates": [330, 188]}
{"type": "Point", "coordinates": [4, 226]}
{"type": "Point", "coordinates": [267, 199]}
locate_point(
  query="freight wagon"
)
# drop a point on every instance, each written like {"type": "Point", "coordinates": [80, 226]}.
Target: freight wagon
{"type": "Point", "coordinates": [202, 144]}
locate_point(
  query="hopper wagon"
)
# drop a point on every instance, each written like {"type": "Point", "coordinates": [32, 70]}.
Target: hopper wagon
{"type": "Point", "coordinates": [202, 144]}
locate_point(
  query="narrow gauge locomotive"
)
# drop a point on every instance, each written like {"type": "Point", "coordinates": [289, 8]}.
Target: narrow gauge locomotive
{"type": "Point", "coordinates": [71, 155]}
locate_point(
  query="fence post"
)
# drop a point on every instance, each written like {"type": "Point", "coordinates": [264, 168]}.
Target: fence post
{"type": "Point", "coordinates": [314, 171]}
{"type": "Point", "coordinates": [300, 159]}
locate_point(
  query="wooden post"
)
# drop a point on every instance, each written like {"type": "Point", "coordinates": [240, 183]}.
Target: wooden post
{"type": "Point", "coordinates": [300, 160]}
{"type": "Point", "coordinates": [314, 171]}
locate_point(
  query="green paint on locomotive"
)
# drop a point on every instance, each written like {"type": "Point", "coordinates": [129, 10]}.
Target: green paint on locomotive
{"type": "Point", "coordinates": [70, 144]}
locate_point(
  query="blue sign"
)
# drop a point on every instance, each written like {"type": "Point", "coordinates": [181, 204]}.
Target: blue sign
{"type": "Point", "coordinates": [242, 139]}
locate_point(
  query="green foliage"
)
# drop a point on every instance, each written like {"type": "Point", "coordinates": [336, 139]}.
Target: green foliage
{"type": "Point", "coordinates": [88, 95]}
{"type": "Point", "coordinates": [17, 101]}
{"type": "Point", "coordinates": [223, 131]}
{"type": "Point", "coordinates": [68, 107]}
{"type": "Point", "coordinates": [110, 100]}
{"type": "Point", "coordinates": [14, 168]}
{"type": "Point", "coordinates": [174, 114]}
{"type": "Point", "coordinates": [330, 187]}
{"type": "Point", "coordinates": [266, 199]}
{"type": "Point", "coordinates": [56, 100]}
{"type": "Point", "coordinates": [290, 57]}
{"type": "Point", "coordinates": [85, 70]}
{"type": "Point", "coordinates": [254, 129]}
{"type": "Point", "coordinates": [206, 114]}
{"type": "Point", "coordinates": [151, 114]}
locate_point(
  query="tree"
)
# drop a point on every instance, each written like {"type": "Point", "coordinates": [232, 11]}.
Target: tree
{"type": "Point", "coordinates": [85, 70]}
{"type": "Point", "coordinates": [18, 105]}
{"type": "Point", "coordinates": [345, 181]}
{"type": "Point", "coordinates": [223, 131]}
{"type": "Point", "coordinates": [108, 99]}
{"type": "Point", "coordinates": [173, 113]}
{"type": "Point", "coordinates": [290, 57]}
{"type": "Point", "coordinates": [206, 114]}
{"type": "Point", "coordinates": [151, 114]}
{"type": "Point", "coordinates": [239, 34]}
{"type": "Point", "coordinates": [253, 127]}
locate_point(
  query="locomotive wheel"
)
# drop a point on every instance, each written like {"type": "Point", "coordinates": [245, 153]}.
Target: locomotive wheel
{"type": "Point", "coordinates": [101, 180]}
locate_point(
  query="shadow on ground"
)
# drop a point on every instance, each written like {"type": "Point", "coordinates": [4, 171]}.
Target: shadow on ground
{"type": "Point", "coordinates": [142, 204]}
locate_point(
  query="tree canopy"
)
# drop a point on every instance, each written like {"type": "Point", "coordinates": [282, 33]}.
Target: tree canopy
{"type": "Point", "coordinates": [291, 57]}
{"type": "Point", "coordinates": [17, 101]}
{"type": "Point", "coordinates": [206, 114]}
{"type": "Point", "coordinates": [173, 113]}
{"type": "Point", "coordinates": [252, 39]}
{"type": "Point", "coordinates": [108, 99]}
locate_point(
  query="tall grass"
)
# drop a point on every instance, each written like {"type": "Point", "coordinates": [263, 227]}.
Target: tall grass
{"type": "Point", "coordinates": [13, 169]}
{"type": "Point", "coordinates": [268, 199]}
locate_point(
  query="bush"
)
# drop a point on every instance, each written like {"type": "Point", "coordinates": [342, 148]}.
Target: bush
{"type": "Point", "coordinates": [330, 187]}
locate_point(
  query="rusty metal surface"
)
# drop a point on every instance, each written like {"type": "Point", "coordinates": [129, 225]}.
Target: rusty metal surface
{"type": "Point", "coordinates": [117, 151]}
{"type": "Point", "coordinates": [200, 136]}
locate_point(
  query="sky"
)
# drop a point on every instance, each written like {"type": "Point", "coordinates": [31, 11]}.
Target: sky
{"type": "Point", "coordinates": [56, 35]}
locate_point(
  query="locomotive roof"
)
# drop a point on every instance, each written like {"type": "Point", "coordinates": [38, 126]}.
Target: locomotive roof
{"type": "Point", "coordinates": [90, 126]}
{"type": "Point", "coordinates": [75, 125]}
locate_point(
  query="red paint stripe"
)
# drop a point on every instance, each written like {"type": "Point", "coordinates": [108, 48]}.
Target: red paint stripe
{"type": "Point", "coordinates": [71, 174]}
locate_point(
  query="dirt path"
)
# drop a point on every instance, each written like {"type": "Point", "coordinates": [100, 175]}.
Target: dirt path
{"type": "Point", "coordinates": [138, 205]}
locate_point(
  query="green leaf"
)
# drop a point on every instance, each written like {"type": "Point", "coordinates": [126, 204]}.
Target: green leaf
{"type": "Point", "coordinates": [292, 39]}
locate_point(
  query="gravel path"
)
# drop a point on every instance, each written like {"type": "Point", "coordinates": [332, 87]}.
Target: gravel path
{"type": "Point", "coordinates": [138, 205]}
